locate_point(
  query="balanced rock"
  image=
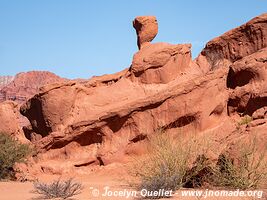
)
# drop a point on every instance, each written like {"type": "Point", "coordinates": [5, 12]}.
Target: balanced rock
{"type": "Point", "coordinates": [146, 29]}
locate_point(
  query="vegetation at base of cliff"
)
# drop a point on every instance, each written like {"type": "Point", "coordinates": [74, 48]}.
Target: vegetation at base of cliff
{"type": "Point", "coordinates": [166, 165]}
{"type": "Point", "coordinates": [58, 189]}
{"type": "Point", "coordinates": [11, 152]}
{"type": "Point", "coordinates": [247, 170]}
{"type": "Point", "coordinates": [171, 164]}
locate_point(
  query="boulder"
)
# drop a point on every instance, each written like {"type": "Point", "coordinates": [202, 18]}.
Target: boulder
{"type": "Point", "coordinates": [9, 120]}
{"type": "Point", "coordinates": [9, 117]}
{"type": "Point", "coordinates": [146, 29]}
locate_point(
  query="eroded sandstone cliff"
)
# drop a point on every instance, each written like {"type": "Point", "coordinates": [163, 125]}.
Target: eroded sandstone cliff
{"type": "Point", "coordinates": [105, 119]}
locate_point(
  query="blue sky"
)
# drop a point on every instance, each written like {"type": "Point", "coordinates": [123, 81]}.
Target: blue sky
{"type": "Point", "coordinates": [82, 38]}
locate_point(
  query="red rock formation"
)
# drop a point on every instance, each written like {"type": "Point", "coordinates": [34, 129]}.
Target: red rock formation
{"type": "Point", "coordinates": [146, 29]}
{"type": "Point", "coordinates": [9, 118]}
{"type": "Point", "coordinates": [247, 78]}
{"type": "Point", "coordinates": [234, 44]}
{"type": "Point", "coordinates": [101, 120]}
{"type": "Point", "coordinates": [162, 63]}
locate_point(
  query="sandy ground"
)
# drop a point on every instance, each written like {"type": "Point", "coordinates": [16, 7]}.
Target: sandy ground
{"type": "Point", "coordinates": [95, 187]}
{"type": "Point", "coordinates": [91, 183]}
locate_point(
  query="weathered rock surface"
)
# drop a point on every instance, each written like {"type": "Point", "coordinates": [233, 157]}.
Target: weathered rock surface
{"type": "Point", "coordinates": [162, 63]}
{"type": "Point", "coordinates": [146, 29]}
{"type": "Point", "coordinates": [103, 120]}
{"type": "Point", "coordinates": [234, 44]}
{"type": "Point", "coordinates": [248, 80]}
{"type": "Point", "coordinates": [9, 118]}
{"type": "Point", "coordinates": [23, 86]}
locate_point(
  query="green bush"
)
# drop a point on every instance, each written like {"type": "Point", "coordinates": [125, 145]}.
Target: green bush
{"type": "Point", "coordinates": [11, 152]}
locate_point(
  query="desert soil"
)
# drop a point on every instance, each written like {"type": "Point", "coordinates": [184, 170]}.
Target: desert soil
{"type": "Point", "coordinates": [115, 179]}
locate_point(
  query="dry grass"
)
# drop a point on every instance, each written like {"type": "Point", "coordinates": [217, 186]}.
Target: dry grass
{"type": "Point", "coordinates": [167, 163]}
{"type": "Point", "coordinates": [247, 170]}
{"type": "Point", "coordinates": [172, 163]}
{"type": "Point", "coordinates": [58, 189]}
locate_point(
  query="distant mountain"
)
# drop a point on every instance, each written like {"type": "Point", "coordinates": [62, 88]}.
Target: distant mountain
{"type": "Point", "coordinates": [25, 85]}
{"type": "Point", "coordinates": [4, 80]}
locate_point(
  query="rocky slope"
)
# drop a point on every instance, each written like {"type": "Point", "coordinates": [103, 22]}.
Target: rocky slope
{"type": "Point", "coordinates": [105, 119]}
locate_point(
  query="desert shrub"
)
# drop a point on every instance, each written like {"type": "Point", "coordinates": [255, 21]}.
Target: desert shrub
{"type": "Point", "coordinates": [248, 170]}
{"type": "Point", "coordinates": [245, 120]}
{"type": "Point", "coordinates": [199, 174]}
{"type": "Point", "coordinates": [11, 152]}
{"type": "Point", "coordinates": [244, 168]}
{"type": "Point", "coordinates": [166, 164]}
{"type": "Point", "coordinates": [58, 189]}
{"type": "Point", "coordinates": [172, 163]}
